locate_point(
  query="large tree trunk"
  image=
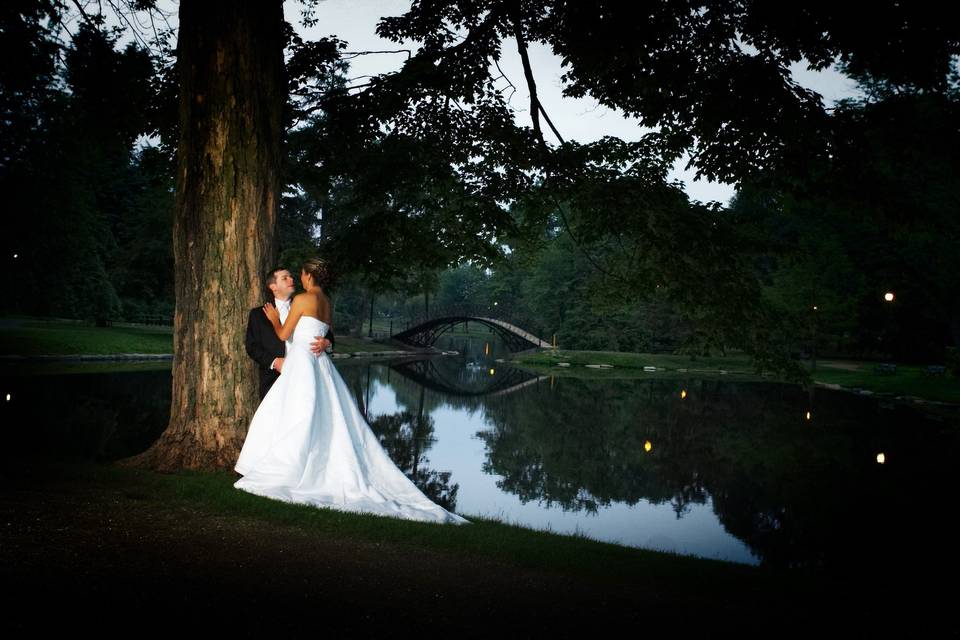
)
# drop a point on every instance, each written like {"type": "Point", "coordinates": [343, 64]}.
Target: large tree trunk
{"type": "Point", "coordinates": [230, 57]}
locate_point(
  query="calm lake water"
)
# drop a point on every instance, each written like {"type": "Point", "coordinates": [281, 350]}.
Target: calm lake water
{"type": "Point", "coordinates": [717, 468]}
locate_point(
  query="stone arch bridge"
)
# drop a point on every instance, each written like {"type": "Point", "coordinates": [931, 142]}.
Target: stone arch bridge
{"type": "Point", "coordinates": [424, 331]}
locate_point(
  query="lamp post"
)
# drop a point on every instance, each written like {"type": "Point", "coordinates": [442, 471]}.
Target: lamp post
{"type": "Point", "coordinates": [888, 298]}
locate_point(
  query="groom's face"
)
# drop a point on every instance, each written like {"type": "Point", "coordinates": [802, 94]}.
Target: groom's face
{"type": "Point", "coordinates": [283, 286]}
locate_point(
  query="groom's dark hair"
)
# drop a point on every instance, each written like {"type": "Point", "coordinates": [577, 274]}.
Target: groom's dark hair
{"type": "Point", "coordinates": [272, 279]}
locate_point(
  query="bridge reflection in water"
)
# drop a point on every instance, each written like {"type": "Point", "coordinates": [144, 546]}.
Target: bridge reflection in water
{"type": "Point", "coordinates": [476, 379]}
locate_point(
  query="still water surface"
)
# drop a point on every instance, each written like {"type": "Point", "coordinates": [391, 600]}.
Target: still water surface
{"type": "Point", "coordinates": [749, 472]}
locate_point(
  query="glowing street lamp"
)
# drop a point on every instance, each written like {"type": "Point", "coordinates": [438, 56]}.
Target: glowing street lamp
{"type": "Point", "coordinates": [647, 446]}
{"type": "Point", "coordinates": [881, 458]}
{"type": "Point", "coordinates": [888, 316]}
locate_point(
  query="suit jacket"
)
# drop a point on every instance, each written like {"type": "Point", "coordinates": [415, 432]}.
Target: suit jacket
{"type": "Point", "coordinates": [263, 346]}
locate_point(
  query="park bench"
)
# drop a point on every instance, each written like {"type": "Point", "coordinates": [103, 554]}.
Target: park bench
{"type": "Point", "coordinates": [935, 370]}
{"type": "Point", "coordinates": [887, 368]}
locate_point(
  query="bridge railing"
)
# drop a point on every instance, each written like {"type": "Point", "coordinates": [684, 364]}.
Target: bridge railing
{"type": "Point", "coordinates": [493, 311]}
{"type": "Point", "coordinates": [386, 327]}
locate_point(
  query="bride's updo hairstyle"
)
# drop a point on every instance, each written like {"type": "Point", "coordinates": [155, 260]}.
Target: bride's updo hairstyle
{"type": "Point", "coordinates": [320, 270]}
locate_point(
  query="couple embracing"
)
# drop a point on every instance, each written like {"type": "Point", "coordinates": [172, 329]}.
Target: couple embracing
{"type": "Point", "coordinates": [308, 443]}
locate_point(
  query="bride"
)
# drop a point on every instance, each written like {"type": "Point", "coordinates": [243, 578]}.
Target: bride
{"type": "Point", "coordinates": [308, 442]}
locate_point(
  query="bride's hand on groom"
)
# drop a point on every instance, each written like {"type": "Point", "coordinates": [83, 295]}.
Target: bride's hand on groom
{"type": "Point", "coordinates": [272, 313]}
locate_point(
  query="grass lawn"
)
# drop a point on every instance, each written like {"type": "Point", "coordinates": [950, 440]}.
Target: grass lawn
{"type": "Point", "coordinates": [908, 380]}
{"type": "Point", "coordinates": [81, 522]}
{"type": "Point", "coordinates": [214, 492]}
{"type": "Point", "coordinates": [351, 344]}
{"type": "Point", "coordinates": [31, 337]}
{"type": "Point", "coordinates": [58, 337]}
{"type": "Point", "coordinates": [188, 542]}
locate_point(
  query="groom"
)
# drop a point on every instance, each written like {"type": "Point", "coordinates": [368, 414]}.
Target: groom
{"type": "Point", "coordinates": [262, 343]}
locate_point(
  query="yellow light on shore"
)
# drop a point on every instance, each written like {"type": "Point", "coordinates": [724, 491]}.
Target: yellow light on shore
{"type": "Point", "coordinates": [8, 397]}
{"type": "Point", "coordinates": [808, 415]}
{"type": "Point", "coordinates": [491, 371]}
{"type": "Point", "coordinates": [647, 446]}
{"type": "Point", "coordinates": [888, 296]}
{"type": "Point", "coordinates": [683, 394]}
{"type": "Point", "coordinates": [881, 458]}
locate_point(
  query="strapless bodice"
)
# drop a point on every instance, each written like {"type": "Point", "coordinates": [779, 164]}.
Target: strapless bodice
{"type": "Point", "coordinates": [307, 329]}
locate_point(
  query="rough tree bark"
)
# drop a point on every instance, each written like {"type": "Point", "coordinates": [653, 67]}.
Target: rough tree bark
{"type": "Point", "coordinates": [232, 93]}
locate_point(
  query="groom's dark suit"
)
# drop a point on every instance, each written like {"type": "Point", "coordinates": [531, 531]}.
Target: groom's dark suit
{"type": "Point", "coordinates": [263, 346]}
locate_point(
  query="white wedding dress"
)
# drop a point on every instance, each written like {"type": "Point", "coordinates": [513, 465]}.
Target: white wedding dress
{"type": "Point", "coordinates": [308, 443]}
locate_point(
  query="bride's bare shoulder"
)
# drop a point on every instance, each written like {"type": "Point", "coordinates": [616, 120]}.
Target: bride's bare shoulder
{"type": "Point", "coordinates": [305, 298]}
{"type": "Point", "coordinates": [324, 306]}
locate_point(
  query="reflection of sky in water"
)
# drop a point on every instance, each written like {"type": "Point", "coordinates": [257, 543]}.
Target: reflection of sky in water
{"type": "Point", "coordinates": [459, 450]}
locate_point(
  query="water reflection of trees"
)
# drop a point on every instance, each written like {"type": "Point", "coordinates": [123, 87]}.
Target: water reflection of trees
{"type": "Point", "coordinates": [798, 492]}
{"type": "Point", "coordinates": [406, 434]}
{"type": "Point", "coordinates": [99, 416]}
{"type": "Point", "coordinates": [364, 377]}
{"type": "Point", "coordinates": [580, 445]}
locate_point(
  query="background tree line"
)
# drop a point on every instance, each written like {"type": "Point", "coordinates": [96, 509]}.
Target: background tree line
{"type": "Point", "coordinates": [413, 219]}
{"type": "Point", "coordinates": [89, 211]}
{"type": "Point", "coordinates": [879, 215]}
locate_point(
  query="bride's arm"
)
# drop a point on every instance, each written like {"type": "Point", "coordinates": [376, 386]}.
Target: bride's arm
{"type": "Point", "coordinates": [327, 310]}
{"type": "Point", "coordinates": [285, 330]}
